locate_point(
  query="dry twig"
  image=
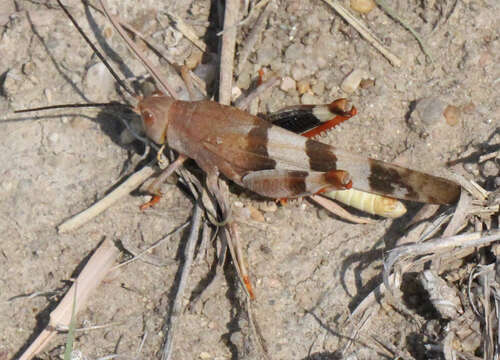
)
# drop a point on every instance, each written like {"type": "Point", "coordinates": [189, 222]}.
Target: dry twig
{"type": "Point", "coordinates": [437, 247]}
{"type": "Point", "coordinates": [124, 189]}
{"type": "Point", "coordinates": [338, 210]}
{"type": "Point", "coordinates": [89, 279]}
{"type": "Point", "coordinates": [186, 30]}
{"type": "Point", "coordinates": [244, 102]}
{"type": "Point", "coordinates": [176, 311]}
{"type": "Point", "coordinates": [231, 15]}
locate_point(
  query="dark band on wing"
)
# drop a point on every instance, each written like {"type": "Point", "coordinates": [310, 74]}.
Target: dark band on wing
{"type": "Point", "coordinates": [296, 182]}
{"type": "Point", "coordinates": [387, 180]}
{"type": "Point", "coordinates": [391, 179]}
{"type": "Point", "coordinates": [257, 144]}
{"type": "Point", "coordinates": [320, 156]}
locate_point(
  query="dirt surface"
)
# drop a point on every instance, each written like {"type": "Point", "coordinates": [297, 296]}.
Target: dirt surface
{"type": "Point", "coordinates": [310, 269]}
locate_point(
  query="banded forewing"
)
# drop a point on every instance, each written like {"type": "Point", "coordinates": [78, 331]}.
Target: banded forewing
{"type": "Point", "coordinates": [312, 120]}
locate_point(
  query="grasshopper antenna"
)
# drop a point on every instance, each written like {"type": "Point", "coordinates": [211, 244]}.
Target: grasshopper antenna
{"type": "Point", "coordinates": [96, 51]}
{"type": "Point", "coordinates": [64, 106]}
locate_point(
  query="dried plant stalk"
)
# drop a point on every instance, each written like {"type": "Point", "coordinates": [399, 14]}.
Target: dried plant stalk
{"type": "Point", "coordinates": [89, 279]}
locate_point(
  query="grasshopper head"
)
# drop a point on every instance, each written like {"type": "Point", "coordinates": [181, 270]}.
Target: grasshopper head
{"type": "Point", "coordinates": [154, 110]}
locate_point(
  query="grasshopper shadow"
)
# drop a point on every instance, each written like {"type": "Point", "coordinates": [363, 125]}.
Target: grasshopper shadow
{"type": "Point", "coordinates": [364, 260]}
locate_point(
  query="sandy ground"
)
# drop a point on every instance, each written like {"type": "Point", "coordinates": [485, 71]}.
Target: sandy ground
{"type": "Point", "coordinates": [310, 269]}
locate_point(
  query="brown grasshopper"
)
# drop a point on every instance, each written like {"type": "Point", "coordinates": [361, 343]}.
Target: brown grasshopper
{"type": "Point", "coordinates": [271, 161]}
{"type": "Point", "coordinates": [274, 162]}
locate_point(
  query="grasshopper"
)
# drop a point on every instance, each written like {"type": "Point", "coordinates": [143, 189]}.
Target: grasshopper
{"type": "Point", "coordinates": [274, 162]}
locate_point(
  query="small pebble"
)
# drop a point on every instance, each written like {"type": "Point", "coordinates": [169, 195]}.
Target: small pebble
{"type": "Point", "coordinates": [28, 68]}
{"type": "Point", "coordinates": [268, 206]}
{"type": "Point", "coordinates": [99, 83]}
{"type": "Point", "coordinates": [255, 214]}
{"type": "Point", "coordinates": [308, 99]}
{"type": "Point", "coordinates": [471, 168]}
{"type": "Point", "coordinates": [303, 86]}
{"type": "Point", "coordinates": [430, 110]}
{"type": "Point", "coordinates": [294, 52]}
{"type": "Point", "coordinates": [235, 93]}
{"type": "Point", "coordinates": [362, 6]}
{"type": "Point", "coordinates": [108, 32]}
{"type": "Point", "coordinates": [194, 59]}
{"type": "Point", "coordinates": [469, 108]}
{"type": "Point", "coordinates": [452, 115]}
{"type": "Point", "coordinates": [299, 72]}
{"type": "Point", "coordinates": [318, 87]}
{"type": "Point", "coordinates": [238, 204]}
{"type": "Point", "coordinates": [489, 168]}
{"type": "Point", "coordinates": [54, 137]}
{"type": "Point", "coordinates": [367, 83]}
{"type": "Point", "coordinates": [352, 81]}
{"type": "Point", "coordinates": [287, 84]}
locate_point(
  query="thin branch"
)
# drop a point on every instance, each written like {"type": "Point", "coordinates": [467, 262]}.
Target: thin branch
{"type": "Point", "coordinates": [176, 312]}
{"type": "Point", "coordinates": [186, 30]}
{"type": "Point", "coordinates": [338, 210]}
{"type": "Point", "coordinates": [438, 246]}
{"type": "Point", "coordinates": [231, 15]}
{"type": "Point", "coordinates": [124, 189]}
{"type": "Point", "coordinates": [244, 103]}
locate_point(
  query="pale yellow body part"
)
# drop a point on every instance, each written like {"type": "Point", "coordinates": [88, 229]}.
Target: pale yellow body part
{"type": "Point", "coordinates": [367, 202]}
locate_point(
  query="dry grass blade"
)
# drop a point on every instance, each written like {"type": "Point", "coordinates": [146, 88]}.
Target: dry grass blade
{"type": "Point", "coordinates": [492, 155]}
{"type": "Point", "coordinates": [140, 254]}
{"type": "Point", "coordinates": [89, 279]}
{"type": "Point", "coordinates": [176, 311]}
{"type": "Point", "coordinates": [437, 247]}
{"type": "Point", "coordinates": [187, 31]}
{"type": "Point", "coordinates": [124, 189]}
{"type": "Point", "coordinates": [244, 102]}
{"type": "Point", "coordinates": [472, 187]}
{"type": "Point", "coordinates": [339, 210]}
{"type": "Point", "coordinates": [459, 216]}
